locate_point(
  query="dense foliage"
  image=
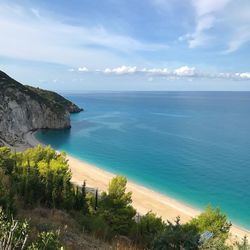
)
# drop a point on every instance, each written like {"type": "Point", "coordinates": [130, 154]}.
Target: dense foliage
{"type": "Point", "coordinates": [40, 177]}
{"type": "Point", "coordinates": [147, 228]}
{"type": "Point", "coordinates": [214, 221]}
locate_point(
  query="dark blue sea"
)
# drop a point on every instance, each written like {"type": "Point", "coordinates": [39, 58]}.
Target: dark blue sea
{"type": "Point", "coordinates": [192, 146]}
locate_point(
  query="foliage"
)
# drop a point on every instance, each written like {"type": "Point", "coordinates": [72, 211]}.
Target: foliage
{"type": "Point", "coordinates": [13, 234]}
{"type": "Point", "coordinates": [214, 243]}
{"type": "Point", "coordinates": [6, 192]}
{"type": "Point", "coordinates": [115, 207]}
{"type": "Point", "coordinates": [147, 228]}
{"type": "Point", "coordinates": [96, 225]}
{"type": "Point", "coordinates": [42, 176]}
{"type": "Point", "coordinates": [55, 99]}
{"type": "Point", "coordinates": [212, 220]}
{"type": "Point", "coordinates": [176, 236]}
{"type": "Point", "coordinates": [47, 241]}
{"type": "Point", "coordinates": [7, 161]}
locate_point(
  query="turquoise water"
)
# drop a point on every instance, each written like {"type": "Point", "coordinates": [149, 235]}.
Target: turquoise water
{"type": "Point", "coordinates": [194, 146]}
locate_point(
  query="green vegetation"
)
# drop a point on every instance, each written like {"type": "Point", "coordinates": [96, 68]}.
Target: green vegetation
{"type": "Point", "coordinates": [147, 229]}
{"type": "Point", "coordinates": [214, 221]}
{"type": "Point", "coordinates": [53, 100]}
{"type": "Point", "coordinates": [115, 207]}
{"type": "Point", "coordinates": [42, 209]}
{"type": "Point", "coordinates": [177, 236]}
{"type": "Point", "coordinates": [14, 235]}
{"type": "Point", "coordinates": [56, 99]}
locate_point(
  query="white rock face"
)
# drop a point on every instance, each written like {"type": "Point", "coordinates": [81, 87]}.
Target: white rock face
{"type": "Point", "coordinates": [20, 113]}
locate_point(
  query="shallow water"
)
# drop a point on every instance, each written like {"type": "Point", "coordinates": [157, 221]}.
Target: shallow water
{"type": "Point", "coordinates": [194, 146]}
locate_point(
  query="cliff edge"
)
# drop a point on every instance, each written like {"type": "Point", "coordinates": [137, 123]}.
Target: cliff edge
{"type": "Point", "coordinates": [25, 108]}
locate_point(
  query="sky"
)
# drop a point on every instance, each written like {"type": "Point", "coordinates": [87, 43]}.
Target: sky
{"type": "Point", "coordinates": [83, 45]}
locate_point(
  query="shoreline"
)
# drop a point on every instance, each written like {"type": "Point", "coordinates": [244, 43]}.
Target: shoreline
{"type": "Point", "coordinates": [144, 199]}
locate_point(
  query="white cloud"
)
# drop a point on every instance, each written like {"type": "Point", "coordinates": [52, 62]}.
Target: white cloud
{"type": "Point", "coordinates": [237, 41]}
{"type": "Point", "coordinates": [216, 17]}
{"type": "Point", "coordinates": [83, 69]}
{"type": "Point", "coordinates": [206, 11]}
{"type": "Point", "coordinates": [185, 71]}
{"type": "Point", "coordinates": [239, 18]}
{"type": "Point", "coordinates": [31, 34]}
{"type": "Point", "coordinates": [204, 7]}
{"type": "Point", "coordinates": [245, 75]}
{"type": "Point", "coordinates": [156, 71]}
{"type": "Point", "coordinates": [121, 70]}
{"type": "Point", "coordinates": [177, 73]}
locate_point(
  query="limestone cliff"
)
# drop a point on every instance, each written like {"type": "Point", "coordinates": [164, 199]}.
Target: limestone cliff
{"type": "Point", "coordinates": [24, 108]}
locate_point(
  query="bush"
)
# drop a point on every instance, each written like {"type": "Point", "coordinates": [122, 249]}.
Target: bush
{"type": "Point", "coordinates": [13, 234]}
{"type": "Point", "coordinates": [214, 243]}
{"type": "Point", "coordinates": [47, 241]}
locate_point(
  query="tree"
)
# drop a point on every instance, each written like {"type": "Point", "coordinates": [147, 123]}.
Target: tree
{"type": "Point", "coordinates": [6, 193]}
{"type": "Point", "coordinates": [7, 160]}
{"type": "Point", "coordinates": [176, 237]}
{"type": "Point", "coordinates": [115, 206]}
{"type": "Point", "coordinates": [214, 221]}
{"type": "Point", "coordinates": [43, 176]}
{"type": "Point", "coordinates": [83, 199]}
{"type": "Point", "coordinates": [147, 228]}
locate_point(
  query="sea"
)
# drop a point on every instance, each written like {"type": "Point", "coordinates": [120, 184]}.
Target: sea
{"type": "Point", "coordinates": [192, 146]}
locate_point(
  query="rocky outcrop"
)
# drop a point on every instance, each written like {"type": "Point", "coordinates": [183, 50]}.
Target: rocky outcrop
{"type": "Point", "coordinates": [24, 108]}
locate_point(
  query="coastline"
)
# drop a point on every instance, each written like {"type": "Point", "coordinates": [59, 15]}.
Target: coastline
{"type": "Point", "coordinates": [144, 199]}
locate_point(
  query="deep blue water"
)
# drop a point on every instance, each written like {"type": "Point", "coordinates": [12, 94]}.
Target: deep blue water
{"type": "Point", "coordinates": [193, 146]}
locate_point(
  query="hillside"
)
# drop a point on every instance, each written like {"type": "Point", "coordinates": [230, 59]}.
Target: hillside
{"type": "Point", "coordinates": [40, 208]}
{"type": "Point", "coordinates": [25, 108]}
{"type": "Point", "coordinates": [56, 99]}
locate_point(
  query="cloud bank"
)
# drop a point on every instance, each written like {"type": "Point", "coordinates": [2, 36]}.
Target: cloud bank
{"type": "Point", "coordinates": [180, 72]}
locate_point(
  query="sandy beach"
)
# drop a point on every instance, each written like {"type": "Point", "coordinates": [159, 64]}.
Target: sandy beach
{"type": "Point", "coordinates": [144, 199]}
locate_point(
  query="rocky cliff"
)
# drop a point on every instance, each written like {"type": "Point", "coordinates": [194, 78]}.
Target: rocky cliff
{"type": "Point", "coordinates": [25, 108]}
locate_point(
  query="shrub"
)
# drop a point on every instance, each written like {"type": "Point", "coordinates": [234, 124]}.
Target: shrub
{"type": "Point", "coordinates": [13, 234]}
{"type": "Point", "coordinates": [47, 241]}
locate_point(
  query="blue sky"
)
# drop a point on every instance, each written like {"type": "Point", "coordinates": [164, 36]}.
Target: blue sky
{"type": "Point", "coordinates": [83, 45]}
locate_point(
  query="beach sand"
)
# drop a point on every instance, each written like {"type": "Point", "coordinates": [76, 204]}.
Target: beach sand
{"type": "Point", "coordinates": [144, 199]}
